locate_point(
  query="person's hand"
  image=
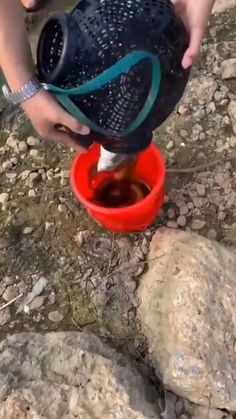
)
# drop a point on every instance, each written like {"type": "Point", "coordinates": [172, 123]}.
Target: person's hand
{"type": "Point", "coordinates": [195, 15]}
{"type": "Point", "coordinates": [51, 121]}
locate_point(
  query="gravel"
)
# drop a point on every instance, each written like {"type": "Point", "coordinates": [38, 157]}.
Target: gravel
{"type": "Point", "coordinates": [55, 316]}
{"type": "Point", "coordinates": [181, 221]}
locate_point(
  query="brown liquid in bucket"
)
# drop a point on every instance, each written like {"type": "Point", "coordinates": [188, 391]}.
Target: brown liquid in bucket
{"type": "Point", "coordinates": [120, 193]}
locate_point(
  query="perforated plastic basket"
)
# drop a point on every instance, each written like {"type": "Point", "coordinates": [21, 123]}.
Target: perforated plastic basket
{"type": "Point", "coordinates": [116, 66]}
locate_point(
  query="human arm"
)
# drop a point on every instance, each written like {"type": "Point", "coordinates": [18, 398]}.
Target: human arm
{"type": "Point", "coordinates": [46, 115]}
{"type": "Point", "coordinates": [195, 15]}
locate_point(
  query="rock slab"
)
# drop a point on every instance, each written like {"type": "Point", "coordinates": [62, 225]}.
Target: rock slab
{"type": "Point", "coordinates": [70, 375]}
{"type": "Point", "coordinates": [187, 313]}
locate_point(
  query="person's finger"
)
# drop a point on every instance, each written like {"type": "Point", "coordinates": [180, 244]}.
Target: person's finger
{"type": "Point", "coordinates": [70, 122]}
{"type": "Point", "coordinates": [194, 48]}
{"type": "Point", "coordinates": [65, 138]}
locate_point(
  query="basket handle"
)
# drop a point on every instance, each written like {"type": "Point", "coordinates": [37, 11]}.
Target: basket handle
{"type": "Point", "coordinates": [122, 66]}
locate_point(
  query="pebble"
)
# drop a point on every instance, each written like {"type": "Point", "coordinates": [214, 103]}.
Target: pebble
{"type": "Point", "coordinates": [199, 114]}
{"type": "Point", "coordinates": [13, 143]}
{"type": "Point", "coordinates": [14, 160]}
{"type": "Point", "coordinates": [183, 417]}
{"type": "Point", "coordinates": [33, 141]}
{"type": "Point", "coordinates": [198, 224]}
{"type": "Point", "coordinates": [37, 303]}
{"type": "Point", "coordinates": [65, 174]}
{"type": "Point", "coordinates": [2, 151]}
{"type": "Point", "coordinates": [7, 165]}
{"type": "Point", "coordinates": [172, 224]}
{"type": "Point", "coordinates": [5, 316]}
{"type": "Point", "coordinates": [34, 177]}
{"type": "Point", "coordinates": [179, 407]}
{"type": "Point", "coordinates": [184, 210]}
{"type": "Point", "coordinates": [23, 146]}
{"type": "Point", "coordinates": [181, 221]}
{"type": "Point", "coordinates": [201, 189]}
{"type": "Point", "coordinates": [34, 152]}
{"type": "Point", "coordinates": [212, 234]}
{"type": "Point", "coordinates": [27, 230]}
{"type": "Point", "coordinates": [226, 120]}
{"type": "Point", "coordinates": [199, 202]}
{"type": "Point", "coordinates": [211, 108]}
{"type": "Point", "coordinates": [202, 136]}
{"type": "Point", "coordinates": [183, 110]}
{"type": "Point", "coordinates": [4, 197]}
{"type": "Point", "coordinates": [221, 215]}
{"type": "Point", "coordinates": [10, 293]}
{"type": "Point", "coordinates": [55, 316]}
{"type": "Point", "coordinates": [63, 181]}
{"type": "Point", "coordinates": [232, 142]}
{"type": "Point", "coordinates": [171, 213]}
{"type": "Point", "coordinates": [11, 175]}
{"type": "Point", "coordinates": [62, 208]}
{"type": "Point", "coordinates": [184, 133]}
{"type": "Point", "coordinates": [50, 174]}
{"type": "Point", "coordinates": [24, 174]}
{"type": "Point", "coordinates": [31, 192]}
{"type": "Point", "coordinates": [170, 145]}
{"type": "Point", "coordinates": [52, 298]}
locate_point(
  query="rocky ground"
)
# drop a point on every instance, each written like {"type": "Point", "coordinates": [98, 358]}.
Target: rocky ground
{"type": "Point", "coordinates": [65, 272]}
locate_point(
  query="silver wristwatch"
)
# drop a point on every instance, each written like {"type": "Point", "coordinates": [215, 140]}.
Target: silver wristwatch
{"type": "Point", "coordinates": [24, 93]}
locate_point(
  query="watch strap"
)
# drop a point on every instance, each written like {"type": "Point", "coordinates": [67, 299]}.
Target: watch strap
{"type": "Point", "coordinates": [26, 92]}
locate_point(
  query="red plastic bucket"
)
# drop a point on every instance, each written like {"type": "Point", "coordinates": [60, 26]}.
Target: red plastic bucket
{"type": "Point", "coordinates": [150, 169]}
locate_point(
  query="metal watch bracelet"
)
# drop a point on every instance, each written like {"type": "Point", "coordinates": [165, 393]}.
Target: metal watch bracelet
{"type": "Point", "coordinates": [26, 92]}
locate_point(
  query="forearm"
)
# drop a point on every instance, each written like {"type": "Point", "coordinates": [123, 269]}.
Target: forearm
{"type": "Point", "coordinates": [15, 54]}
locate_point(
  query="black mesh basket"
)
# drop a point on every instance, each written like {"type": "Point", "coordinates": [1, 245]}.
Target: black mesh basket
{"type": "Point", "coordinates": [75, 48]}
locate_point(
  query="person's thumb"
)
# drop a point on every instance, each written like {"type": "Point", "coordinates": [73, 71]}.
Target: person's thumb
{"type": "Point", "coordinates": [193, 50]}
{"type": "Point", "coordinates": [70, 122]}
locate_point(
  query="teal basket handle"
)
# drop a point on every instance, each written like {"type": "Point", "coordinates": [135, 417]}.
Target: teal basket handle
{"type": "Point", "coordinates": [121, 67]}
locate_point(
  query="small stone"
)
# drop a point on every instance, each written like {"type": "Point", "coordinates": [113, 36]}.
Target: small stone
{"type": "Point", "coordinates": [10, 293]}
{"type": "Point", "coordinates": [81, 237]}
{"type": "Point", "coordinates": [24, 174]}
{"type": "Point", "coordinates": [181, 221]}
{"type": "Point", "coordinates": [26, 309]}
{"type": "Point", "coordinates": [63, 181]}
{"type": "Point", "coordinates": [62, 208]}
{"type": "Point", "coordinates": [199, 202]}
{"type": "Point", "coordinates": [7, 165]}
{"type": "Point", "coordinates": [34, 152]}
{"type": "Point", "coordinates": [172, 224]}
{"type": "Point", "coordinates": [52, 298]}
{"type": "Point", "coordinates": [198, 224]}
{"type": "Point", "coordinates": [49, 225]}
{"type": "Point", "coordinates": [212, 234]}
{"type": "Point", "coordinates": [183, 417]}
{"type": "Point", "coordinates": [37, 303]}
{"type": "Point", "coordinates": [33, 141]}
{"type": "Point", "coordinates": [65, 174]}
{"type": "Point", "coordinates": [55, 316]}
{"type": "Point", "coordinates": [184, 133]}
{"type": "Point", "coordinates": [232, 142]}
{"type": "Point", "coordinates": [171, 213]}
{"type": "Point", "coordinates": [2, 151]}
{"type": "Point", "coordinates": [179, 407]}
{"type": "Point", "coordinates": [34, 178]}
{"type": "Point", "coordinates": [170, 145]}
{"type": "Point", "coordinates": [23, 146]}
{"type": "Point", "coordinates": [14, 160]}
{"type": "Point", "coordinates": [201, 189]}
{"type": "Point", "coordinates": [5, 316]}
{"type": "Point", "coordinates": [12, 143]}
{"type": "Point", "coordinates": [31, 192]}
{"type": "Point", "coordinates": [183, 110]}
{"type": "Point", "coordinates": [199, 114]}
{"type": "Point", "coordinates": [50, 174]}
{"type": "Point", "coordinates": [226, 120]}
{"type": "Point", "coordinates": [184, 210]}
{"type": "Point", "coordinates": [202, 136]}
{"type": "Point", "coordinates": [11, 175]}
{"type": "Point", "coordinates": [27, 230]}
{"type": "Point", "coordinates": [228, 69]}
{"type": "Point", "coordinates": [221, 216]}
{"type": "Point", "coordinates": [4, 197]}
{"type": "Point", "coordinates": [211, 108]}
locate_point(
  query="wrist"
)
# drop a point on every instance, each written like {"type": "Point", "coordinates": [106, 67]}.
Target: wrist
{"type": "Point", "coordinates": [27, 91]}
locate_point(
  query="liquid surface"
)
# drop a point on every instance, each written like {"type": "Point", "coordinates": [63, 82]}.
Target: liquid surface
{"type": "Point", "coordinates": [120, 193]}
